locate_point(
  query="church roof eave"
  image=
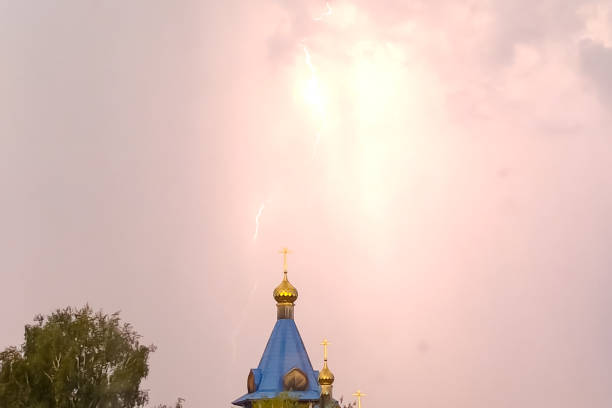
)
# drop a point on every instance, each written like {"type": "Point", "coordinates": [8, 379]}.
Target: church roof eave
{"type": "Point", "coordinates": [308, 395]}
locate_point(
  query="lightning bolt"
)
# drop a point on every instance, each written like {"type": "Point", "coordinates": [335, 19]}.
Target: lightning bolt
{"type": "Point", "coordinates": [309, 63]}
{"type": "Point", "coordinates": [314, 93]}
{"type": "Point", "coordinates": [326, 14]}
{"type": "Point", "coordinates": [314, 96]}
{"type": "Point", "coordinates": [316, 100]}
{"type": "Point", "coordinates": [261, 208]}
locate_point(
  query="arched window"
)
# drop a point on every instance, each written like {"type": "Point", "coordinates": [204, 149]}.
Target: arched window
{"type": "Point", "coordinates": [295, 380]}
{"type": "Point", "coordinates": [253, 380]}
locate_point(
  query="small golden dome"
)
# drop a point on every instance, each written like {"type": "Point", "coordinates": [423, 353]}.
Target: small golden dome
{"type": "Point", "coordinates": [326, 377]}
{"type": "Point", "coordinates": [285, 292]}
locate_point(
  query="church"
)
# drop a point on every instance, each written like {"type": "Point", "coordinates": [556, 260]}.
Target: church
{"type": "Point", "coordinates": [285, 366]}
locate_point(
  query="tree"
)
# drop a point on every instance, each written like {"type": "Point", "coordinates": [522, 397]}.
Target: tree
{"type": "Point", "coordinates": [285, 400]}
{"type": "Point", "coordinates": [75, 358]}
{"type": "Point", "coordinates": [282, 400]}
{"type": "Point", "coordinates": [179, 404]}
{"type": "Point", "coordinates": [352, 404]}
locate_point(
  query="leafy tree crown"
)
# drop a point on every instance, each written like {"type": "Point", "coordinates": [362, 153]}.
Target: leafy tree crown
{"type": "Point", "coordinates": [75, 358]}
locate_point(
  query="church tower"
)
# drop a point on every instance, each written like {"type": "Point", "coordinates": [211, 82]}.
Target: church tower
{"type": "Point", "coordinates": [285, 366]}
{"type": "Point", "coordinates": [326, 379]}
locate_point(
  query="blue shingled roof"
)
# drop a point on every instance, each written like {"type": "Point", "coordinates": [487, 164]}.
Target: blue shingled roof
{"type": "Point", "coordinates": [285, 350]}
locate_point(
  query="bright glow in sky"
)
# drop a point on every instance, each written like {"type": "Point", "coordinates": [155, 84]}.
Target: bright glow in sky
{"type": "Point", "coordinates": [442, 173]}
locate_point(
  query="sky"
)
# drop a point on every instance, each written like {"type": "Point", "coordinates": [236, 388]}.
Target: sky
{"type": "Point", "coordinates": [441, 171]}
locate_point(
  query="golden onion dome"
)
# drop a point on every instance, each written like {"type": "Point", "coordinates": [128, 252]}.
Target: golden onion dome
{"type": "Point", "coordinates": [285, 292]}
{"type": "Point", "coordinates": [326, 377]}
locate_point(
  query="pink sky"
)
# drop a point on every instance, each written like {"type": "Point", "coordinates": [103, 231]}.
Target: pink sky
{"type": "Point", "coordinates": [443, 175]}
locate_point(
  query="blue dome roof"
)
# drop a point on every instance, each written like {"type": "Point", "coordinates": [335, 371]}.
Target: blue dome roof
{"type": "Point", "coordinates": [285, 350]}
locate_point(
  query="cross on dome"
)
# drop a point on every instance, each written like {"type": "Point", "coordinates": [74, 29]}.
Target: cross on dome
{"type": "Point", "coordinates": [359, 394]}
{"type": "Point", "coordinates": [325, 343]}
{"type": "Point", "coordinates": [285, 251]}
{"type": "Point", "coordinates": [285, 293]}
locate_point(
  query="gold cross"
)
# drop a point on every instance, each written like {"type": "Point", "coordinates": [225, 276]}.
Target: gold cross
{"type": "Point", "coordinates": [325, 344]}
{"type": "Point", "coordinates": [359, 394]}
{"type": "Point", "coordinates": [284, 251]}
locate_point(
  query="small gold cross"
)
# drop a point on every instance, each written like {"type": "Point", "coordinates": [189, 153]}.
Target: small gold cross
{"type": "Point", "coordinates": [359, 394]}
{"type": "Point", "coordinates": [284, 251]}
{"type": "Point", "coordinates": [325, 343]}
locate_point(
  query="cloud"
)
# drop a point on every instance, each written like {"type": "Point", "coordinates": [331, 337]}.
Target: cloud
{"type": "Point", "coordinates": [479, 60]}
{"type": "Point", "coordinates": [459, 196]}
{"type": "Point", "coordinates": [596, 61]}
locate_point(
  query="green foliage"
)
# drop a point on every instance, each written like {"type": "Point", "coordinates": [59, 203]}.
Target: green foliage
{"type": "Point", "coordinates": [179, 404]}
{"type": "Point", "coordinates": [75, 358]}
{"type": "Point", "coordinates": [283, 400]}
{"type": "Point", "coordinates": [341, 404]}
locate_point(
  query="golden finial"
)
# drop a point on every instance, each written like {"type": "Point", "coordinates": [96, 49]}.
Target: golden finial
{"type": "Point", "coordinates": [285, 251]}
{"type": "Point", "coordinates": [285, 293]}
{"type": "Point", "coordinates": [326, 377]}
{"type": "Point", "coordinates": [359, 394]}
